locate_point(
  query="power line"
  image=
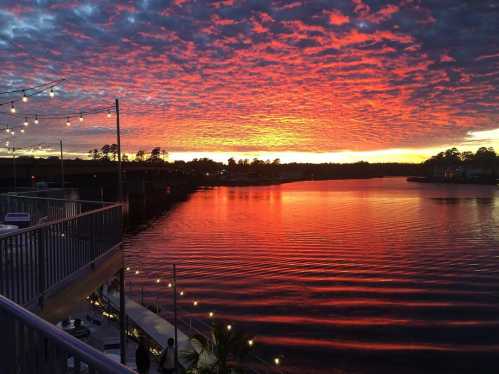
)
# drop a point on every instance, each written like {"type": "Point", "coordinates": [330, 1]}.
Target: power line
{"type": "Point", "coordinates": [49, 84]}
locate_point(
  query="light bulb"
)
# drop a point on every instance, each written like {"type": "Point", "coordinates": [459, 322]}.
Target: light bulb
{"type": "Point", "coordinates": [51, 92]}
{"type": "Point", "coordinates": [7, 143]}
{"type": "Point", "coordinates": [128, 268]}
{"type": "Point", "coordinates": [81, 117]}
{"type": "Point", "coordinates": [229, 327]}
{"type": "Point", "coordinates": [7, 130]}
{"type": "Point", "coordinates": [277, 360]}
{"type": "Point", "coordinates": [26, 123]}
{"type": "Point", "coordinates": [181, 293]}
{"type": "Point", "coordinates": [68, 123]}
{"type": "Point", "coordinates": [12, 107]}
{"type": "Point", "coordinates": [250, 342]}
{"type": "Point", "coordinates": [108, 114]}
{"type": "Point", "coordinates": [25, 98]}
{"type": "Point", "coordinates": [169, 285]}
{"type": "Point", "coordinates": [36, 119]}
{"type": "Point", "coordinates": [137, 272]}
{"type": "Point", "coordinates": [195, 303]}
{"type": "Point", "coordinates": [158, 280]}
{"type": "Point", "coordinates": [211, 314]}
{"type": "Point", "coordinates": [22, 131]}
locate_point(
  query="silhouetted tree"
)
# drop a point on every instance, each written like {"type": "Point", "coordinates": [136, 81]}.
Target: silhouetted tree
{"type": "Point", "coordinates": [94, 154]}
{"type": "Point", "coordinates": [113, 149]}
{"type": "Point", "coordinates": [140, 156]}
{"type": "Point", "coordinates": [106, 149]}
{"type": "Point", "coordinates": [155, 155]}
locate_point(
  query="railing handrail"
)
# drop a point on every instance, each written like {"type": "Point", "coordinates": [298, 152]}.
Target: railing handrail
{"type": "Point", "coordinates": [11, 194]}
{"type": "Point", "coordinates": [50, 223]}
{"type": "Point", "coordinates": [84, 352]}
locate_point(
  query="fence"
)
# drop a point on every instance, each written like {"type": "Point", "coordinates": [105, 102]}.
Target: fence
{"type": "Point", "coordinates": [45, 208]}
{"type": "Point", "coordinates": [32, 345]}
{"type": "Point", "coordinates": [34, 259]}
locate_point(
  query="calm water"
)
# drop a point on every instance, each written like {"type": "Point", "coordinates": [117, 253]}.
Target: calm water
{"type": "Point", "coordinates": [355, 276]}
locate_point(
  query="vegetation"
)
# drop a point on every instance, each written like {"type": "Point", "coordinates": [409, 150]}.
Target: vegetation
{"type": "Point", "coordinates": [484, 158]}
{"type": "Point", "coordinates": [223, 353]}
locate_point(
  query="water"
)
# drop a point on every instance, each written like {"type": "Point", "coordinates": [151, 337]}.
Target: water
{"type": "Point", "coordinates": [354, 276]}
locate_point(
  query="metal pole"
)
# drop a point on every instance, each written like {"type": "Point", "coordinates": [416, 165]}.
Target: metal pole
{"type": "Point", "coordinates": [62, 166]}
{"type": "Point", "coordinates": [118, 143]}
{"type": "Point", "coordinates": [14, 164]}
{"type": "Point", "coordinates": [122, 317]}
{"type": "Point", "coordinates": [175, 314]}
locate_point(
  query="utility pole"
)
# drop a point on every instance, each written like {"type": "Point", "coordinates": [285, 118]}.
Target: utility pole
{"type": "Point", "coordinates": [62, 167]}
{"type": "Point", "coordinates": [175, 315]}
{"type": "Point", "coordinates": [122, 317]}
{"type": "Point", "coordinates": [118, 143]}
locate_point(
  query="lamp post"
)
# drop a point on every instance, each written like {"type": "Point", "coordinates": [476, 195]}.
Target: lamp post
{"type": "Point", "coordinates": [175, 315]}
{"type": "Point", "coordinates": [118, 143]}
{"type": "Point", "coordinates": [14, 170]}
{"type": "Point", "coordinates": [62, 167]}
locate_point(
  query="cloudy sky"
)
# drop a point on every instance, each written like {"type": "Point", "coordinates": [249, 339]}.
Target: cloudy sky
{"type": "Point", "coordinates": [312, 79]}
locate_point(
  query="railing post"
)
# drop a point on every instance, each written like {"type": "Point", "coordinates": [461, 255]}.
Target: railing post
{"type": "Point", "coordinates": [41, 266]}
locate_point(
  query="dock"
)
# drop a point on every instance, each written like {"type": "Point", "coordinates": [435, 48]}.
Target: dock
{"type": "Point", "coordinates": [155, 327]}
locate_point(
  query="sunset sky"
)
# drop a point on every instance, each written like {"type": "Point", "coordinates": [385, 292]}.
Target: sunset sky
{"type": "Point", "coordinates": [312, 80]}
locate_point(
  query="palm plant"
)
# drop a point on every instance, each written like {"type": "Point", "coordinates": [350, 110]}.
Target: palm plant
{"type": "Point", "coordinates": [223, 352]}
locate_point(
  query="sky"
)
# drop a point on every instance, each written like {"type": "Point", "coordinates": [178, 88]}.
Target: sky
{"type": "Point", "coordinates": [310, 80]}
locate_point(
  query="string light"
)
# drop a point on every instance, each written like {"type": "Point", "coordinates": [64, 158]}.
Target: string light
{"type": "Point", "coordinates": [137, 272]}
{"type": "Point", "coordinates": [7, 143]}
{"type": "Point", "coordinates": [12, 107]}
{"type": "Point", "coordinates": [108, 114]}
{"type": "Point", "coordinates": [26, 123]}
{"type": "Point", "coordinates": [67, 122]}
{"type": "Point", "coordinates": [7, 131]}
{"type": "Point", "coordinates": [81, 117]}
{"type": "Point", "coordinates": [22, 131]}
{"type": "Point", "coordinates": [250, 342]}
{"type": "Point", "coordinates": [25, 98]}
{"type": "Point", "coordinates": [36, 119]}
{"type": "Point", "coordinates": [51, 92]}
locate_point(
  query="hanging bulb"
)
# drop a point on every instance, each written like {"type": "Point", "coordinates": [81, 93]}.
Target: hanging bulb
{"type": "Point", "coordinates": [7, 131]}
{"type": "Point", "coordinates": [81, 117]}
{"type": "Point", "coordinates": [13, 133]}
{"type": "Point", "coordinates": [51, 92]}
{"type": "Point", "coordinates": [108, 114]}
{"type": "Point", "coordinates": [22, 131]}
{"type": "Point", "coordinates": [67, 122]}
{"type": "Point", "coordinates": [26, 123]}
{"type": "Point", "coordinates": [12, 107]}
{"type": "Point", "coordinates": [7, 143]}
{"type": "Point", "coordinates": [25, 98]}
{"type": "Point", "coordinates": [36, 119]}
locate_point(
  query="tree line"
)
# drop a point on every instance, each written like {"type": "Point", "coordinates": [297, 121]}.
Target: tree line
{"type": "Point", "coordinates": [484, 158]}
{"type": "Point", "coordinates": [109, 152]}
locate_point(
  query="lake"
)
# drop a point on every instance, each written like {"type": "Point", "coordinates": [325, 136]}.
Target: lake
{"type": "Point", "coordinates": [354, 276]}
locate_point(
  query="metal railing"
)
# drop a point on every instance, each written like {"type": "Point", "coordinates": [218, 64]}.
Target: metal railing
{"type": "Point", "coordinates": [32, 345]}
{"type": "Point", "coordinates": [34, 259]}
{"type": "Point", "coordinates": [46, 208]}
